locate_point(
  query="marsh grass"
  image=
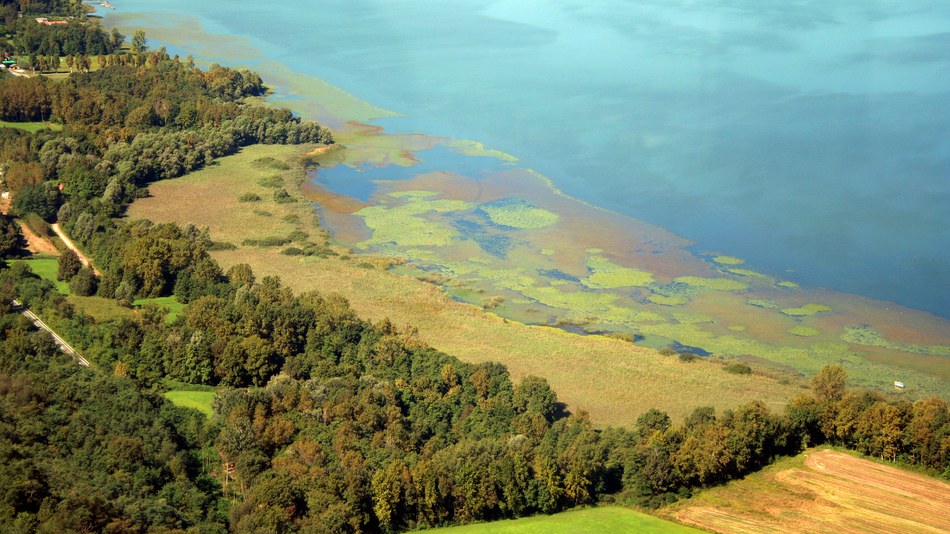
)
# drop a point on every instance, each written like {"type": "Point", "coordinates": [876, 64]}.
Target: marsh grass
{"type": "Point", "coordinates": [613, 380]}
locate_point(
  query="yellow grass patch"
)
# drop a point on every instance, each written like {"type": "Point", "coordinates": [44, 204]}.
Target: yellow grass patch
{"type": "Point", "coordinates": [612, 380]}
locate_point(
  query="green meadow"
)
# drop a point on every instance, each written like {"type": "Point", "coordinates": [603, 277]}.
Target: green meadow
{"type": "Point", "coordinates": [31, 127]}
{"type": "Point", "coordinates": [198, 400]}
{"type": "Point", "coordinates": [612, 519]}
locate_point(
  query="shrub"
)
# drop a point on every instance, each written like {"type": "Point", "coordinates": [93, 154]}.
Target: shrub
{"type": "Point", "coordinates": [271, 181]}
{"type": "Point", "coordinates": [687, 357]}
{"type": "Point", "coordinates": [269, 162]}
{"type": "Point", "coordinates": [281, 196]}
{"type": "Point", "coordinates": [297, 235]}
{"type": "Point", "coordinates": [668, 352]}
{"type": "Point", "coordinates": [250, 197]}
{"type": "Point", "coordinates": [67, 266]}
{"type": "Point", "coordinates": [84, 283]}
{"type": "Point", "coordinates": [738, 369]}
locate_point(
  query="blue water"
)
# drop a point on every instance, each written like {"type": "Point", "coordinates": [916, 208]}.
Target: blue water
{"type": "Point", "coordinates": [360, 182]}
{"type": "Point", "coordinates": [806, 136]}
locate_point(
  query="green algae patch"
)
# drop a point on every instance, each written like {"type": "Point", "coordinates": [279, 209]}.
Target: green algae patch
{"type": "Point", "coordinates": [716, 284]}
{"type": "Point", "coordinates": [806, 311]}
{"type": "Point", "coordinates": [663, 300]}
{"type": "Point", "coordinates": [787, 284]}
{"type": "Point", "coordinates": [516, 213]}
{"type": "Point", "coordinates": [684, 317]}
{"type": "Point", "coordinates": [804, 331]}
{"type": "Point", "coordinates": [865, 335]}
{"type": "Point", "coordinates": [404, 226]}
{"type": "Point", "coordinates": [728, 260]}
{"type": "Point", "coordinates": [606, 274]}
{"type": "Point", "coordinates": [414, 194]}
{"type": "Point", "coordinates": [737, 328]}
{"type": "Point", "coordinates": [546, 252]}
{"type": "Point", "coordinates": [762, 303]}
{"type": "Point", "coordinates": [746, 272]}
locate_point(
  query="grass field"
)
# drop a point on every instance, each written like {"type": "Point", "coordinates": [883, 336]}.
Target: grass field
{"type": "Point", "coordinates": [199, 400]}
{"type": "Point", "coordinates": [612, 519]}
{"type": "Point", "coordinates": [174, 307]}
{"type": "Point", "coordinates": [614, 381]}
{"type": "Point", "coordinates": [46, 268]}
{"type": "Point", "coordinates": [822, 491]}
{"type": "Point", "coordinates": [31, 126]}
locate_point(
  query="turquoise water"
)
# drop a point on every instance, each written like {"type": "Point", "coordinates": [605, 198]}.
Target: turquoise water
{"type": "Point", "coordinates": [807, 136]}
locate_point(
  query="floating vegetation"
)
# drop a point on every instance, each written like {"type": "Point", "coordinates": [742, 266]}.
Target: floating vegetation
{"type": "Point", "coordinates": [804, 331]}
{"type": "Point", "coordinates": [676, 300]}
{"type": "Point", "coordinates": [787, 284]}
{"type": "Point", "coordinates": [606, 274]}
{"type": "Point", "coordinates": [414, 194]}
{"type": "Point", "coordinates": [475, 148]}
{"type": "Point", "coordinates": [402, 225]}
{"type": "Point", "coordinates": [728, 260]}
{"type": "Point", "coordinates": [737, 328]}
{"type": "Point", "coordinates": [762, 303]}
{"type": "Point", "coordinates": [546, 252]}
{"type": "Point", "coordinates": [685, 317]}
{"type": "Point", "coordinates": [865, 335]}
{"type": "Point", "coordinates": [806, 310]}
{"type": "Point", "coordinates": [747, 272]}
{"type": "Point", "coordinates": [717, 284]}
{"type": "Point", "coordinates": [516, 213]}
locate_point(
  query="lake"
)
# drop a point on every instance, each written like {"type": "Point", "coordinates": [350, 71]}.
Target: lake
{"type": "Point", "coordinates": [807, 137]}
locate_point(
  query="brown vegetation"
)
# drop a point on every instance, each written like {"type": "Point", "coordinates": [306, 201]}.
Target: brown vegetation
{"type": "Point", "coordinates": [613, 380]}
{"type": "Point", "coordinates": [823, 491]}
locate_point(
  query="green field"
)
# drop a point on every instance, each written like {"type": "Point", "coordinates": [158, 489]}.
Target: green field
{"type": "Point", "coordinates": [593, 520]}
{"type": "Point", "coordinates": [46, 268]}
{"type": "Point", "coordinates": [199, 400]}
{"type": "Point", "coordinates": [31, 126]}
{"type": "Point", "coordinates": [174, 307]}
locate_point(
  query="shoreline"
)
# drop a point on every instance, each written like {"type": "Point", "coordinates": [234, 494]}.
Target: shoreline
{"type": "Point", "coordinates": [399, 149]}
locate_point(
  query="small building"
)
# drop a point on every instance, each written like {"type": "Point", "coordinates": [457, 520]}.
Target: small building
{"type": "Point", "coordinates": [898, 385]}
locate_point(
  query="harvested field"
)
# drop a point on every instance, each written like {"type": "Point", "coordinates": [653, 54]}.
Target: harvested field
{"type": "Point", "coordinates": [823, 491]}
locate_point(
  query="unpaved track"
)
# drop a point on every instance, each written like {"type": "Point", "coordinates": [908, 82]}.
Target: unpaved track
{"type": "Point", "coordinates": [834, 492]}
{"type": "Point", "coordinates": [72, 246]}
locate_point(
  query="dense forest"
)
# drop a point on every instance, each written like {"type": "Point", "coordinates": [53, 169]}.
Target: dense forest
{"type": "Point", "coordinates": [323, 421]}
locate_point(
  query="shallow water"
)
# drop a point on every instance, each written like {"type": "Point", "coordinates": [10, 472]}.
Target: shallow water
{"type": "Point", "coordinates": [806, 139]}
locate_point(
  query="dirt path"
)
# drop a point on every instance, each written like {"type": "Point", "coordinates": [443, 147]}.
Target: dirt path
{"type": "Point", "coordinates": [72, 246]}
{"type": "Point", "coordinates": [37, 244]}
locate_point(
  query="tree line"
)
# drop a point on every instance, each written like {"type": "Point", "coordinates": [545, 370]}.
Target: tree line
{"type": "Point", "coordinates": [334, 422]}
{"type": "Point", "coordinates": [331, 422]}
